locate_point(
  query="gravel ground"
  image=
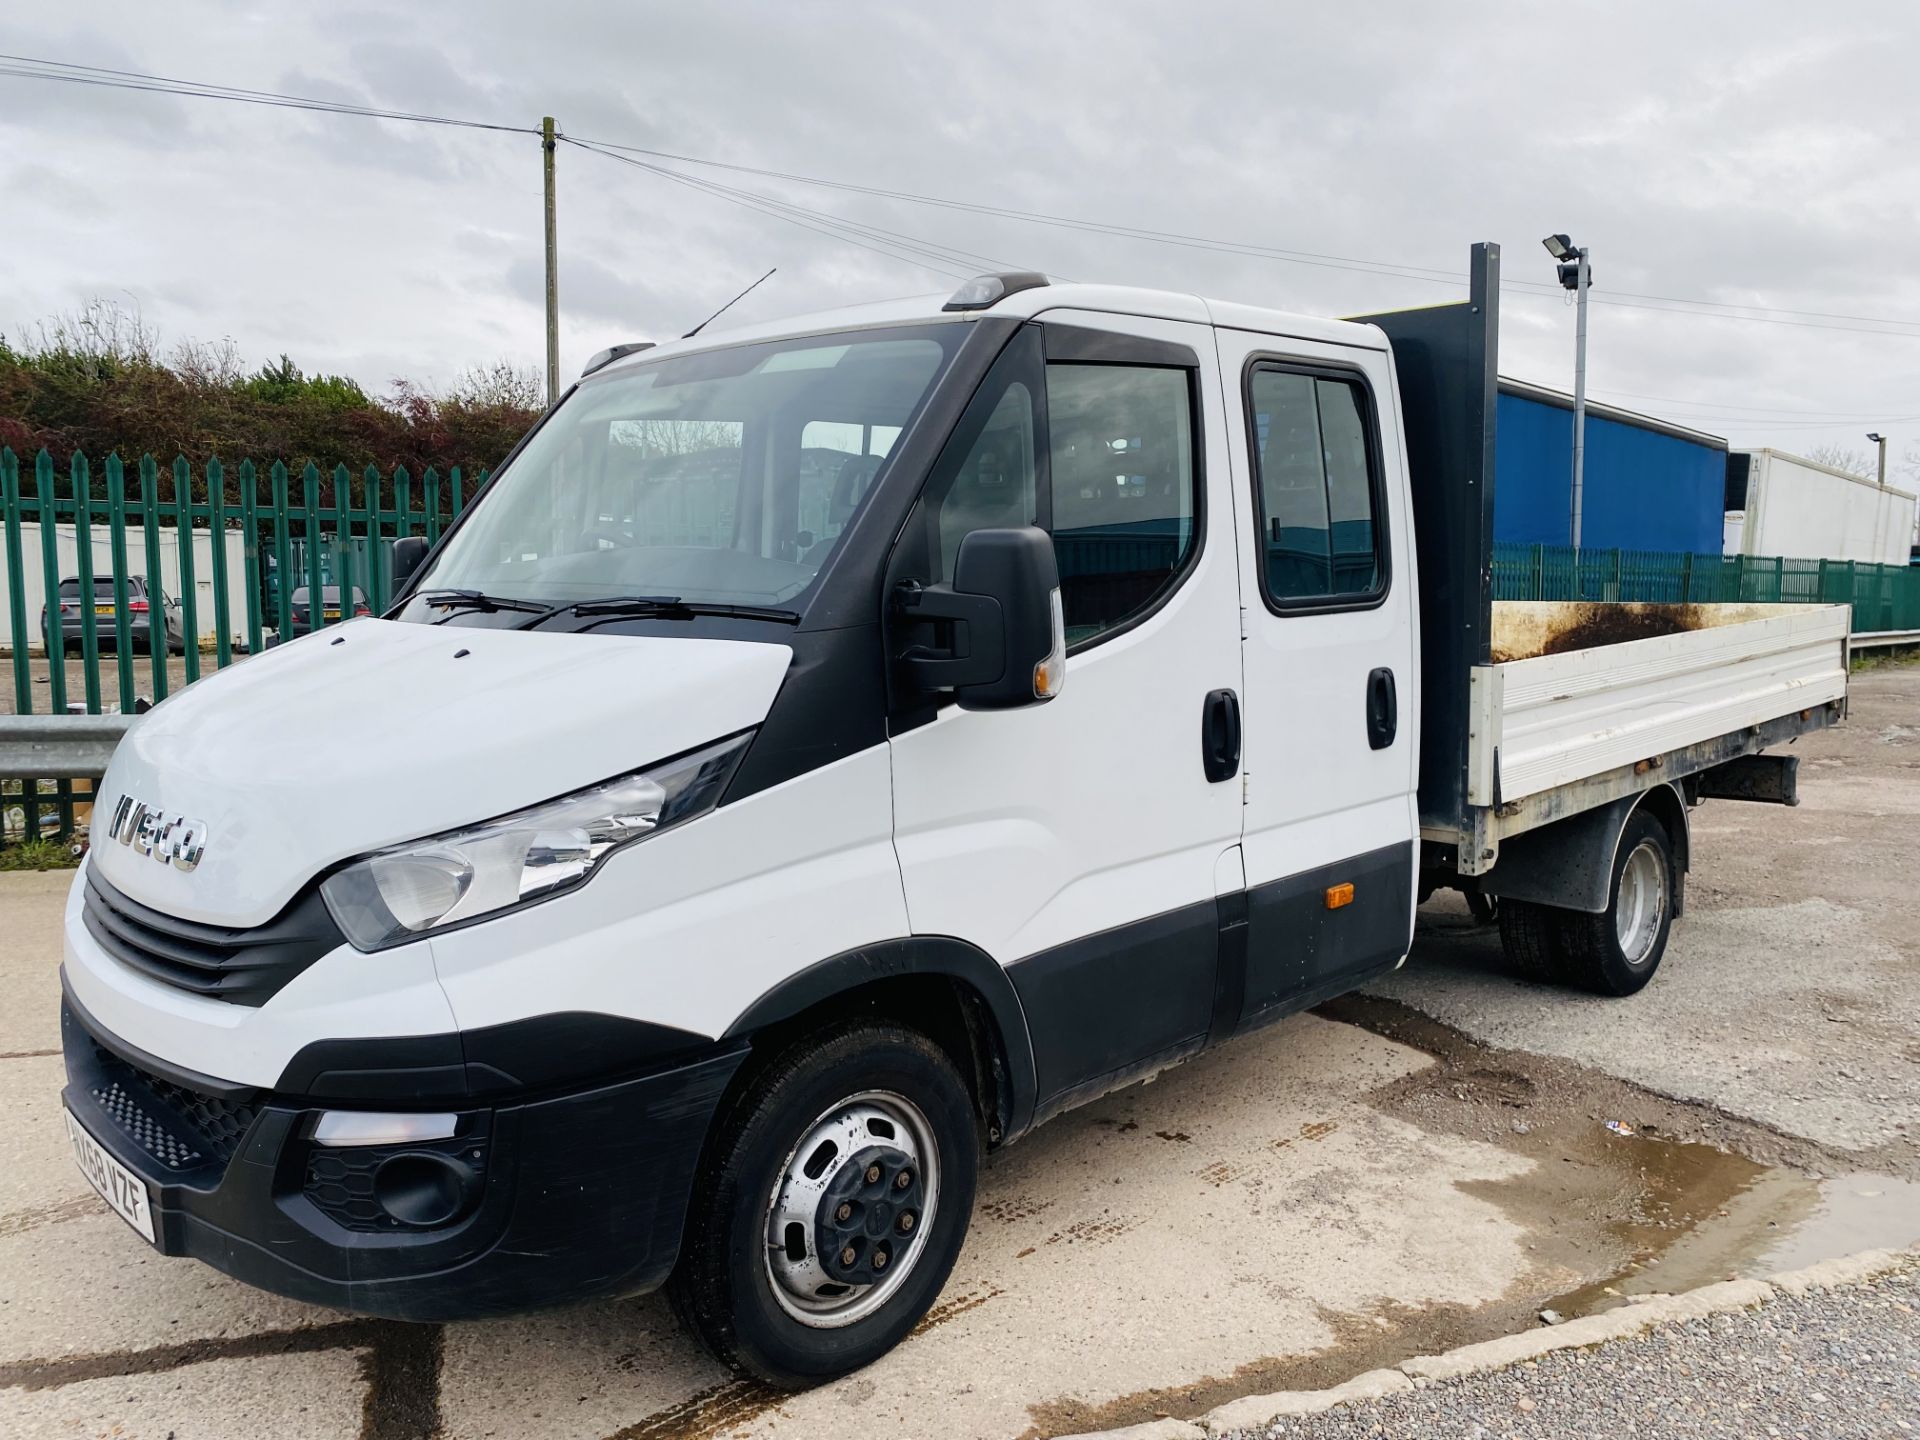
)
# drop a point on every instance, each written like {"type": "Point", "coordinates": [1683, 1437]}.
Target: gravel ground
{"type": "Point", "coordinates": [1834, 1364]}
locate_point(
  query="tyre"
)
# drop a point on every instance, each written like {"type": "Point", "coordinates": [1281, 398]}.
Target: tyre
{"type": "Point", "coordinates": [1530, 935]}
{"type": "Point", "coordinates": [1617, 951]}
{"type": "Point", "coordinates": [830, 1206]}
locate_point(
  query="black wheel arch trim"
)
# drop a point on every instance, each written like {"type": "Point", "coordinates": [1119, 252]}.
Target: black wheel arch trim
{"type": "Point", "coordinates": [541, 1052]}
{"type": "Point", "coordinates": [1569, 863]}
{"type": "Point", "coordinates": [916, 955]}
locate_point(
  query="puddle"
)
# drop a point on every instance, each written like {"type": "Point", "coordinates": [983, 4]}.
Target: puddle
{"type": "Point", "coordinates": [1774, 1220]}
{"type": "Point", "coordinates": [1682, 1196]}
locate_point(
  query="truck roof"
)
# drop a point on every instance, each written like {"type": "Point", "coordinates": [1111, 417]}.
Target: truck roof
{"type": "Point", "coordinates": [1030, 303]}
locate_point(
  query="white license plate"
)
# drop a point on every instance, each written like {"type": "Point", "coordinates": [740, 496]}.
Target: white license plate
{"type": "Point", "coordinates": [123, 1190]}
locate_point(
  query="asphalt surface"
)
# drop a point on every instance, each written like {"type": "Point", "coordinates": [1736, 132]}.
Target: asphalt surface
{"type": "Point", "coordinates": [1838, 1364]}
{"type": "Point", "coordinates": [1790, 994]}
{"type": "Point", "coordinates": [1339, 1192]}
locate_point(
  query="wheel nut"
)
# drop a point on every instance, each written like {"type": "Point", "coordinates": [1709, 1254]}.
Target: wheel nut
{"type": "Point", "coordinates": [845, 1212]}
{"type": "Point", "coordinates": [848, 1256]}
{"type": "Point", "coordinates": [903, 1180]}
{"type": "Point", "coordinates": [873, 1174]}
{"type": "Point", "coordinates": [906, 1222]}
{"type": "Point", "coordinates": [880, 1259]}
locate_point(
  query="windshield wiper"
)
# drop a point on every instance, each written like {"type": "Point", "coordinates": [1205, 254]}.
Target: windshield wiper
{"type": "Point", "coordinates": [476, 600]}
{"type": "Point", "coordinates": [659, 607]}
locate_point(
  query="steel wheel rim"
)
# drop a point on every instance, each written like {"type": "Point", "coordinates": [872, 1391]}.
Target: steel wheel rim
{"type": "Point", "coordinates": [1642, 905]}
{"type": "Point", "coordinates": [801, 1287]}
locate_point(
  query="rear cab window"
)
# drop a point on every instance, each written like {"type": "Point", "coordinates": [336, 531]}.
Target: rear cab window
{"type": "Point", "coordinates": [1318, 496]}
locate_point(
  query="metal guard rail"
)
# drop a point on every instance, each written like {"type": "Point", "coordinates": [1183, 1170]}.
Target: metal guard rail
{"type": "Point", "coordinates": [59, 747]}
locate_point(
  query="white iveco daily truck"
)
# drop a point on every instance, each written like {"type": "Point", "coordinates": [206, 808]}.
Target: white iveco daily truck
{"type": "Point", "coordinates": [828, 749]}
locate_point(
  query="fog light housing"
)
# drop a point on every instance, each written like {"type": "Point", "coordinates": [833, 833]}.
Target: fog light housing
{"type": "Point", "coordinates": [389, 1188]}
{"type": "Point", "coordinates": [422, 1189]}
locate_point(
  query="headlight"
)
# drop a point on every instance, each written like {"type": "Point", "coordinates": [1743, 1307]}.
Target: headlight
{"type": "Point", "coordinates": [408, 890]}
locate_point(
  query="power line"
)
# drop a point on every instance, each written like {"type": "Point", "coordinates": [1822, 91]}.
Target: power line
{"type": "Point", "coordinates": [1303, 257]}
{"type": "Point", "coordinates": [894, 244]}
{"type": "Point", "coordinates": [819, 229]}
{"type": "Point", "coordinates": [1864, 416]}
{"type": "Point", "coordinates": [1661, 303]}
{"type": "Point", "coordinates": [1750, 319]}
{"type": "Point", "coordinates": [29, 67]}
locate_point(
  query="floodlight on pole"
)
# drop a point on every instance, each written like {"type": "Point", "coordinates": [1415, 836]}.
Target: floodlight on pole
{"type": "Point", "coordinates": [1575, 275]}
{"type": "Point", "coordinates": [1881, 441]}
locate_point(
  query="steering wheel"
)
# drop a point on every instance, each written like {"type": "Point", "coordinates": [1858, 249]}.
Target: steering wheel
{"type": "Point", "coordinates": [619, 539]}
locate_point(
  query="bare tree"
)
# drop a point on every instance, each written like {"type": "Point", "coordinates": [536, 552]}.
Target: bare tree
{"type": "Point", "coordinates": [208, 365]}
{"type": "Point", "coordinates": [1908, 468]}
{"type": "Point", "coordinates": [1844, 457]}
{"type": "Point", "coordinates": [501, 383]}
{"type": "Point", "coordinates": [101, 338]}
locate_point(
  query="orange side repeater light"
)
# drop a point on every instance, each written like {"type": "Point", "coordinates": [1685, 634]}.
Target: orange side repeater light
{"type": "Point", "coordinates": [1339, 895]}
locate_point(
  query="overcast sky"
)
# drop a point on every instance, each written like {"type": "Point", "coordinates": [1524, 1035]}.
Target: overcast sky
{"type": "Point", "coordinates": [1764, 154]}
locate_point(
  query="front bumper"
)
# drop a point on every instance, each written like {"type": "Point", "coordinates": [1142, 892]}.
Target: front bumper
{"type": "Point", "coordinates": [569, 1196]}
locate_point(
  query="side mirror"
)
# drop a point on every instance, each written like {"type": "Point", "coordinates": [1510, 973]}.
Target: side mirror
{"type": "Point", "coordinates": [1000, 633]}
{"type": "Point", "coordinates": [408, 552]}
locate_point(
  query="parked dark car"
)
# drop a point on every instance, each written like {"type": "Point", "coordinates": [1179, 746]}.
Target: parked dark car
{"type": "Point", "coordinates": [330, 608]}
{"type": "Point", "coordinates": [141, 605]}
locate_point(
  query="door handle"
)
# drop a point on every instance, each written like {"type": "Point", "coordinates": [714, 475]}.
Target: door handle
{"type": "Point", "coordinates": [1383, 709]}
{"type": "Point", "coordinates": [1220, 735]}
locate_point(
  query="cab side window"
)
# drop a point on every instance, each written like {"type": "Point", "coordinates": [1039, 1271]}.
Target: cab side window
{"type": "Point", "coordinates": [1121, 441]}
{"type": "Point", "coordinates": [1103, 459]}
{"type": "Point", "coordinates": [995, 485]}
{"type": "Point", "coordinates": [1317, 489]}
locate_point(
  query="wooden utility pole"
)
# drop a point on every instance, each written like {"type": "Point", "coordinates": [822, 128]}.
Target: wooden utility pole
{"type": "Point", "coordinates": [553, 277]}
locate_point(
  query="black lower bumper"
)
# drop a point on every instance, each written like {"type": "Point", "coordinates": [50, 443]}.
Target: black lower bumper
{"type": "Point", "coordinates": [558, 1197]}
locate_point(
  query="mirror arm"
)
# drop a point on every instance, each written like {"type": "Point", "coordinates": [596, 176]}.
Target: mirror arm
{"type": "Point", "coordinates": [976, 650]}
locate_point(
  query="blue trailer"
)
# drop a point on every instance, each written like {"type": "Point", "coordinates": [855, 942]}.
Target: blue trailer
{"type": "Point", "coordinates": [1649, 485]}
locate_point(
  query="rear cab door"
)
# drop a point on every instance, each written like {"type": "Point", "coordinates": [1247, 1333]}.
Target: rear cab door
{"type": "Point", "coordinates": [1082, 843]}
{"type": "Point", "coordinates": [1327, 572]}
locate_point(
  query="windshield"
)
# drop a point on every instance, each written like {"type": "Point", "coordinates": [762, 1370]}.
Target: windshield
{"type": "Point", "coordinates": [723, 477]}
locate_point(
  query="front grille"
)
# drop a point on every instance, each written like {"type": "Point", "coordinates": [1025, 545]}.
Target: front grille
{"type": "Point", "coordinates": [183, 1129]}
{"type": "Point", "coordinates": [242, 966]}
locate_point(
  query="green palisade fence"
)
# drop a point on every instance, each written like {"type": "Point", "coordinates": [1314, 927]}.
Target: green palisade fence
{"type": "Point", "coordinates": [253, 534]}
{"type": "Point", "coordinates": [1883, 597]}
{"type": "Point", "coordinates": [259, 531]}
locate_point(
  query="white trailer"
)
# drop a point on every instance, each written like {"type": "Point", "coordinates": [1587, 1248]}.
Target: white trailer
{"type": "Point", "coordinates": [1787, 505]}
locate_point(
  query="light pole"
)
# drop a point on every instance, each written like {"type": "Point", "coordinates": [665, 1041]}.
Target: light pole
{"type": "Point", "coordinates": [1881, 441]}
{"type": "Point", "coordinates": [1575, 275]}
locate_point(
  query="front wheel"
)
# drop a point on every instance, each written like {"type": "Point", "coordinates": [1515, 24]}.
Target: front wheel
{"type": "Point", "coordinates": [831, 1205]}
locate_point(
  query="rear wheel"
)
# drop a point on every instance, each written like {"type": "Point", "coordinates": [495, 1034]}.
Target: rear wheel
{"type": "Point", "coordinates": [1530, 936]}
{"type": "Point", "coordinates": [1616, 952]}
{"type": "Point", "coordinates": [831, 1205]}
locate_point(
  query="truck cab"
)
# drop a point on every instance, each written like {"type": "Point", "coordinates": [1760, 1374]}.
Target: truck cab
{"type": "Point", "coordinates": [824, 751]}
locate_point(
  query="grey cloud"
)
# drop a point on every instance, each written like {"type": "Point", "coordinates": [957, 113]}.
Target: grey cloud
{"type": "Point", "coordinates": [1772, 162]}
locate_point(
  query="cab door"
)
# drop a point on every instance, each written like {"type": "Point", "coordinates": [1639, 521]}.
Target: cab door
{"type": "Point", "coordinates": [1331, 681]}
{"type": "Point", "coordinates": [1081, 842]}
